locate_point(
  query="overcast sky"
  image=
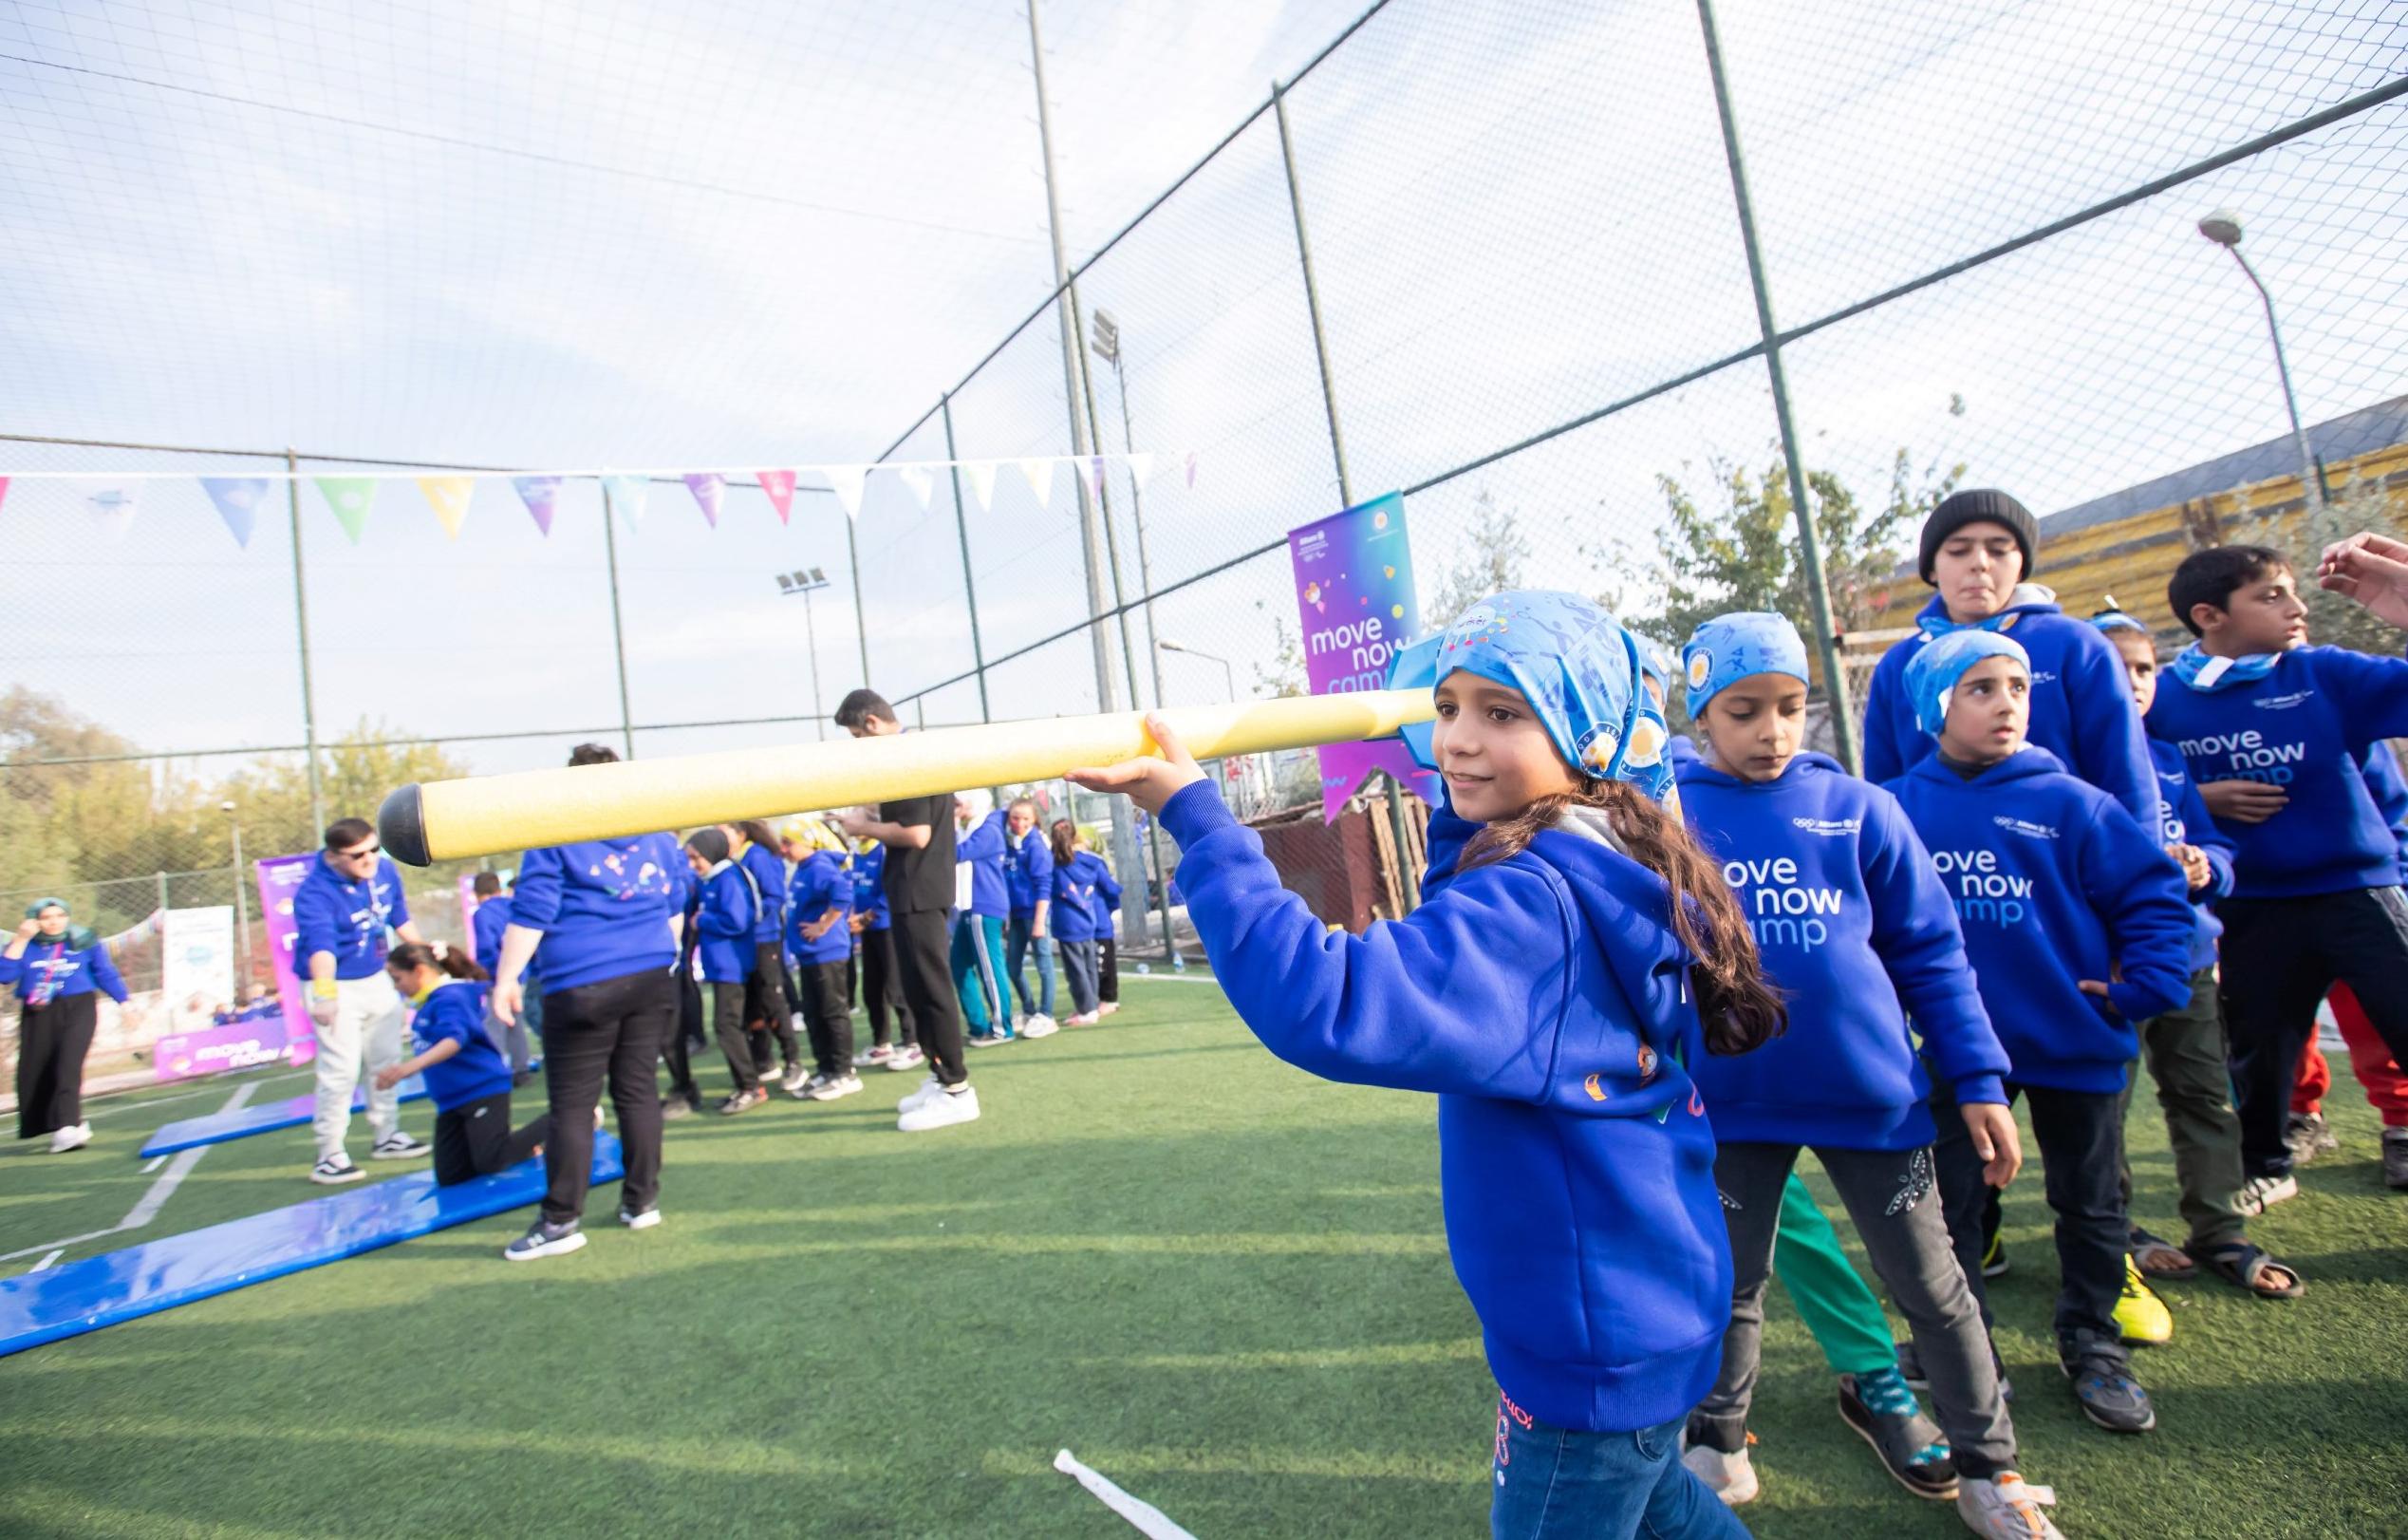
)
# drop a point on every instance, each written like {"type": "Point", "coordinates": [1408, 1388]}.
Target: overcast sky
{"type": "Point", "coordinates": [745, 236]}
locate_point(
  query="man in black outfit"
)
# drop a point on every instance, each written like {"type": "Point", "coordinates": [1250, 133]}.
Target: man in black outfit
{"type": "Point", "coordinates": [917, 834]}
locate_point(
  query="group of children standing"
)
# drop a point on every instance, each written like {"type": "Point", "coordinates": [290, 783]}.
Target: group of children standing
{"type": "Point", "coordinates": [2026, 881]}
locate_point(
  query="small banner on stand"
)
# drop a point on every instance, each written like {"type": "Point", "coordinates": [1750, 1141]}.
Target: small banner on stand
{"type": "Point", "coordinates": [448, 496]}
{"type": "Point", "coordinates": [238, 499]}
{"type": "Point", "coordinates": [708, 487]}
{"type": "Point", "coordinates": [779, 488]}
{"type": "Point", "coordinates": [541, 494]}
{"type": "Point", "coordinates": [350, 497]}
{"type": "Point", "coordinates": [1354, 596]}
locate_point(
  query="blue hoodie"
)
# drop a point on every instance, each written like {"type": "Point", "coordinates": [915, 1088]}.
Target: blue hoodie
{"type": "Point", "coordinates": [2303, 727]}
{"type": "Point", "coordinates": [869, 886]}
{"type": "Point", "coordinates": [457, 1010]}
{"type": "Point", "coordinates": [2054, 884]}
{"type": "Point", "coordinates": [724, 923]}
{"type": "Point", "coordinates": [53, 968]}
{"type": "Point", "coordinates": [485, 930]}
{"type": "Point", "coordinates": [2082, 706]}
{"type": "Point", "coordinates": [983, 847]}
{"type": "Point", "coordinates": [1544, 998]}
{"type": "Point", "coordinates": [2183, 819]}
{"type": "Point", "coordinates": [768, 871]}
{"type": "Point", "coordinates": [1085, 895]}
{"type": "Point", "coordinates": [603, 906]}
{"type": "Point", "coordinates": [347, 916]}
{"type": "Point", "coordinates": [821, 883]}
{"type": "Point", "coordinates": [2385, 784]}
{"type": "Point", "coordinates": [1028, 873]}
{"type": "Point", "coordinates": [1852, 922]}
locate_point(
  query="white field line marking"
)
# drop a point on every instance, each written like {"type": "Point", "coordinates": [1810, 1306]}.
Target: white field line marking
{"type": "Point", "coordinates": [47, 1261]}
{"type": "Point", "coordinates": [147, 1207]}
{"type": "Point", "coordinates": [1148, 1519]}
{"type": "Point", "coordinates": [155, 1162]}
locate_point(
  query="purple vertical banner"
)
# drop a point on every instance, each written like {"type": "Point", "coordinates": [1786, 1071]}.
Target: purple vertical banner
{"type": "Point", "coordinates": [278, 876]}
{"type": "Point", "coordinates": [1354, 594]}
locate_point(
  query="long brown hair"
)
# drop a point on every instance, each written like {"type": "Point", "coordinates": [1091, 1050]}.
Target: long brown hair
{"type": "Point", "coordinates": [1739, 1010]}
{"type": "Point", "coordinates": [455, 961]}
{"type": "Point", "coordinates": [1063, 836]}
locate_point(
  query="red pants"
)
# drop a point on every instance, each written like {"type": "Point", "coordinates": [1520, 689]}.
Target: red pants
{"type": "Point", "coordinates": [2369, 1060]}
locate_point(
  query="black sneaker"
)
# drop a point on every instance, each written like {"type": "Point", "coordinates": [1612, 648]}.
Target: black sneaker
{"type": "Point", "coordinates": [1910, 1444]}
{"type": "Point", "coordinates": [737, 1101]}
{"type": "Point", "coordinates": [2305, 1135]}
{"type": "Point", "coordinates": [335, 1170]}
{"type": "Point", "coordinates": [543, 1240]}
{"type": "Point", "coordinates": [1910, 1370]}
{"type": "Point", "coordinates": [400, 1146]}
{"type": "Point", "coordinates": [2101, 1376]}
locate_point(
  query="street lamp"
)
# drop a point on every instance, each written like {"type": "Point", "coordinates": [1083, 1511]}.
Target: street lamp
{"type": "Point", "coordinates": [242, 909]}
{"type": "Point", "coordinates": [808, 581]}
{"type": "Point", "coordinates": [2224, 228]}
{"type": "Point", "coordinates": [1168, 645]}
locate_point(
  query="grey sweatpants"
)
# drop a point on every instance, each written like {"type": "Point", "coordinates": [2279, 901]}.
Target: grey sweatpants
{"type": "Point", "coordinates": [1890, 1195]}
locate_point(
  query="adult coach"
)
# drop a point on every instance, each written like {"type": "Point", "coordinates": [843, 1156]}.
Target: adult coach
{"type": "Point", "coordinates": [594, 917]}
{"type": "Point", "coordinates": [344, 914]}
{"type": "Point", "coordinates": [917, 834]}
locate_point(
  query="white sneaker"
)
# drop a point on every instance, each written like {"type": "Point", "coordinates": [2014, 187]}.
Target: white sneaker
{"type": "Point", "coordinates": [335, 1170]}
{"type": "Point", "coordinates": [829, 1088]}
{"type": "Point", "coordinates": [1732, 1477]}
{"type": "Point", "coordinates": [795, 1078]}
{"type": "Point", "coordinates": [1020, 1019]}
{"type": "Point", "coordinates": [1085, 1018]}
{"type": "Point", "coordinates": [646, 1220]}
{"type": "Point", "coordinates": [1041, 1025]}
{"type": "Point", "coordinates": [943, 1110]}
{"type": "Point", "coordinates": [1107, 1007]}
{"type": "Point", "coordinates": [906, 1057]}
{"type": "Point", "coordinates": [597, 1117]}
{"type": "Point", "coordinates": [74, 1137]}
{"type": "Point", "coordinates": [2260, 1194]}
{"type": "Point", "coordinates": [2005, 1508]}
{"type": "Point", "coordinates": [400, 1146]}
{"type": "Point", "coordinates": [929, 1087]}
{"type": "Point", "coordinates": [868, 1057]}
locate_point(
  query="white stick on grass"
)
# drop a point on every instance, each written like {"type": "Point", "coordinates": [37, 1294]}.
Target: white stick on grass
{"type": "Point", "coordinates": [1148, 1520]}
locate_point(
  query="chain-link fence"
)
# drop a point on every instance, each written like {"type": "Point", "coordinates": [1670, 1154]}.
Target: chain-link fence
{"type": "Point", "coordinates": [1508, 258]}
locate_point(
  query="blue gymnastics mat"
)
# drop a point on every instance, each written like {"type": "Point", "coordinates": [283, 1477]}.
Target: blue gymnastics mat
{"type": "Point", "coordinates": [38, 1307]}
{"type": "Point", "coordinates": [244, 1121]}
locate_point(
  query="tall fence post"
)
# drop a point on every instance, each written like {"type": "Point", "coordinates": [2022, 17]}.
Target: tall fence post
{"type": "Point", "coordinates": [969, 582]}
{"type": "Point", "coordinates": [1311, 292]}
{"type": "Point", "coordinates": [1835, 678]}
{"type": "Point", "coordinates": [300, 623]}
{"type": "Point", "coordinates": [861, 622]}
{"type": "Point", "coordinates": [617, 632]}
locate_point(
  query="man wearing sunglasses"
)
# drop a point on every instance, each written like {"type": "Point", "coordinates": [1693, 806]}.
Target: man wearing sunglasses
{"type": "Point", "coordinates": [344, 914]}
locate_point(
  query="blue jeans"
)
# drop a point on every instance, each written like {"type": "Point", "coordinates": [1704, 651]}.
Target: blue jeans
{"type": "Point", "coordinates": [1558, 1484]}
{"type": "Point", "coordinates": [1016, 948]}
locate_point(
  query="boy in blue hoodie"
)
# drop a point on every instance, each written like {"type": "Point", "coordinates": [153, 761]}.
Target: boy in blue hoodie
{"type": "Point", "coordinates": [1544, 990]}
{"type": "Point", "coordinates": [2076, 926]}
{"type": "Point", "coordinates": [1979, 548]}
{"type": "Point", "coordinates": [819, 903]}
{"type": "Point", "coordinates": [2186, 1047]}
{"type": "Point", "coordinates": [2273, 729]}
{"type": "Point", "coordinates": [984, 902]}
{"type": "Point", "coordinates": [1855, 930]}
{"type": "Point", "coordinates": [723, 930]}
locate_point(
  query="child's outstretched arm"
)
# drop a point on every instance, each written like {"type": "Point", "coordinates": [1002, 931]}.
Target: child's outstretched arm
{"type": "Point", "coordinates": [393, 1074]}
{"type": "Point", "coordinates": [1463, 996]}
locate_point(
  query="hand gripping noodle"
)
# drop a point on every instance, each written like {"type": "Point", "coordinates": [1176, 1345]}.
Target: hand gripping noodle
{"type": "Point", "coordinates": [446, 820]}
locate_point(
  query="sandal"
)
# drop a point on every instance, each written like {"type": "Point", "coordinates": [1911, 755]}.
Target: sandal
{"type": "Point", "coordinates": [2245, 1266]}
{"type": "Point", "coordinates": [2150, 1254]}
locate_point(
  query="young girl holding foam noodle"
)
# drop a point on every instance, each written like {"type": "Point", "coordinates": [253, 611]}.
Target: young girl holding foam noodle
{"type": "Point", "coordinates": [1852, 923]}
{"type": "Point", "coordinates": [1570, 934]}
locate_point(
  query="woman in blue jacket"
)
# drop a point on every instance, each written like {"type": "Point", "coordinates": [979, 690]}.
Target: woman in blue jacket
{"type": "Point", "coordinates": [1854, 929]}
{"type": "Point", "coordinates": [56, 965]}
{"type": "Point", "coordinates": [1544, 989]}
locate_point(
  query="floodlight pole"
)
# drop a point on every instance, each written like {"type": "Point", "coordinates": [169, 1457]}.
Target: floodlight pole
{"type": "Point", "coordinates": [300, 623]}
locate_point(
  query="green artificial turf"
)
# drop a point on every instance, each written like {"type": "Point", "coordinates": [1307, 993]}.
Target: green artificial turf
{"type": "Point", "coordinates": [1219, 1281]}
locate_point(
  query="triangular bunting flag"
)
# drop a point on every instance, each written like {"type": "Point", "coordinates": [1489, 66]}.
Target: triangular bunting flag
{"type": "Point", "coordinates": [448, 496]}
{"type": "Point", "coordinates": [1141, 466]}
{"type": "Point", "coordinates": [1038, 474]}
{"type": "Point", "coordinates": [779, 485]}
{"type": "Point", "coordinates": [3, 489]}
{"type": "Point", "coordinates": [920, 483]}
{"type": "Point", "coordinates": [112, 504]}
{"type": "Point", "coordinates": [350, 497]}
{"type": "Point", "coordinates": [238, 499]}
{"type": "Point", "coordinates": [981, 475]}
{"type": "Point", "coordinates": [1191, 469]}
{"type": "Point", "coordinates": [541, 494]}
{"type": "Point", "coordinates": [627, 496]}
{"type": "Point", "coordinates": [845, 480]}
{"type": "Point", "coordinates": [708, 488]}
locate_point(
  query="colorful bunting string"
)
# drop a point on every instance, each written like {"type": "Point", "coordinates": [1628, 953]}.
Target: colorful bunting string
{"type": "Point", "coordinates": [779, 486]}
{"type": "Point", "coordinates": [627, 495]}
{"type": "Point", "coordinates": [350, 497]}
{"type": "Point", "coordinates": [540, 493]}
{"type": "Point", "coordinates": [708, 488]}
{"type": "Point", "coordinates": [845, 482]}
{"type": "Point", "coordinates": [238, 499]}
{"type": "Point", "coordinates": [918, 482]}
{"type": "Point", "coordinates": [448, 496]}
{"type": "Point", "coordinates": [112, 504]}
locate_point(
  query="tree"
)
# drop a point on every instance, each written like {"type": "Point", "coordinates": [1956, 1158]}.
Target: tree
{"type": "Point", "coordinates": [1491, 565]}
{"type": "Point", "coordinates": [1286, 674]}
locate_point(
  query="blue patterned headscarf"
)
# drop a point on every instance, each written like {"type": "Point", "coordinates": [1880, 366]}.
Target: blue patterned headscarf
{"type": "Point", "coordinates": [1577, 666]}
{"type": "Point", "coordinates": [1932, 673]}
{"type": "Point", "coordinates": [1656, 662]}
{"type": "Point", "coordinates": [1731, 647]}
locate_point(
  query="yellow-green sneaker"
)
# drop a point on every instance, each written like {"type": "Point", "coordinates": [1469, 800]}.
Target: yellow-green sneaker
{"type": "Point", "coordinates": [2140, 1316]}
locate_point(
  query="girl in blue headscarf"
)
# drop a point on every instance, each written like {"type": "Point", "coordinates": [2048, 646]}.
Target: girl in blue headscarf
{"type": "Point", "coordinates": [1570, 936]}
{"type": "Point", "coordinates": [56, 965]}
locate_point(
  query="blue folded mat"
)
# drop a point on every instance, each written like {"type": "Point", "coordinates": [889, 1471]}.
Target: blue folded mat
{"type": "Point", "coordinates": [38, 1307]}
{"type": "Point", "coordinates": [244, 1121]}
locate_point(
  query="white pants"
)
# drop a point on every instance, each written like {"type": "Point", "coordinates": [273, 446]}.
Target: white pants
{"type": "Point", "coordinates": [368, 1015]}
